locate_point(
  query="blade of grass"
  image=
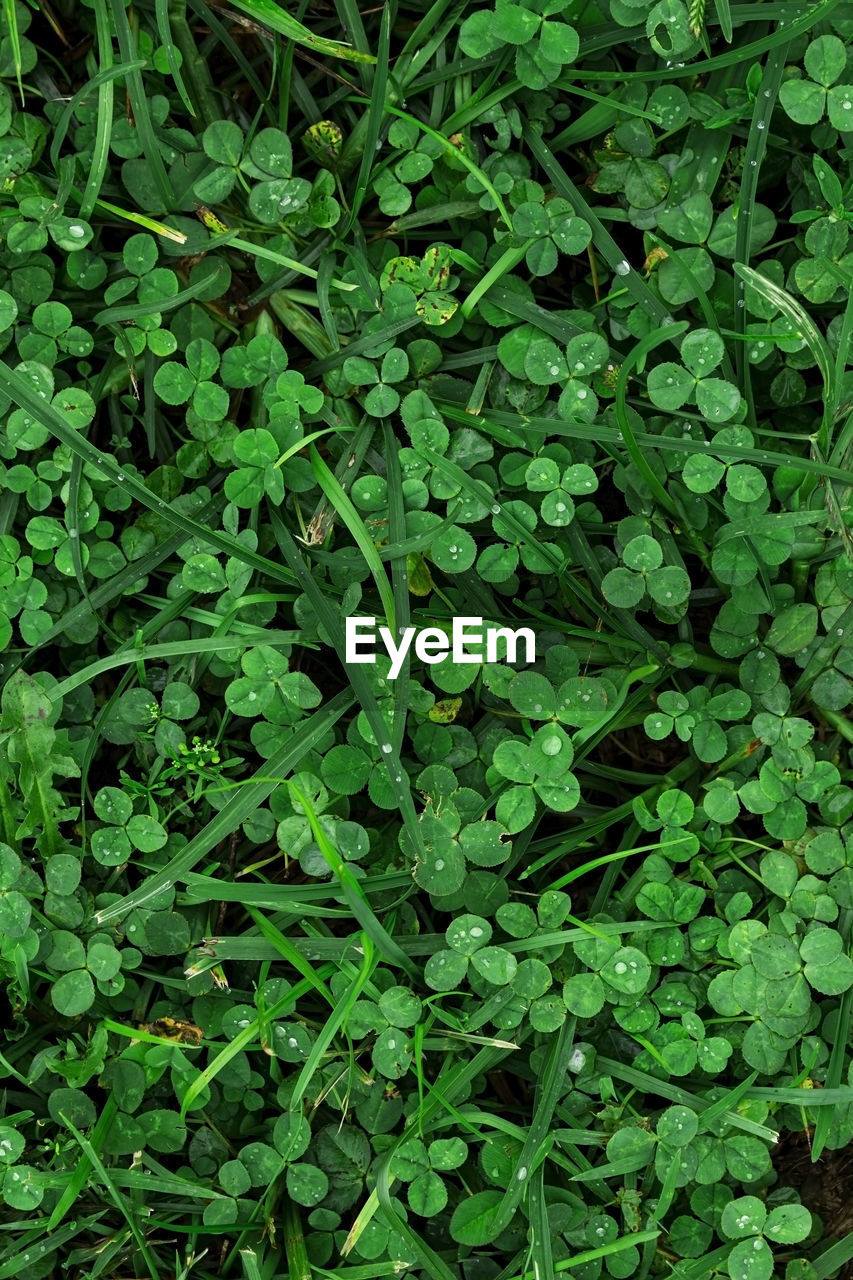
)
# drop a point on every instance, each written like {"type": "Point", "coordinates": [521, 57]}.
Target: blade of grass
{"type": "Point", "coordinates": [366, 134]}
{"type": "Point", "coordinates": [244, 802]}
{"type": "Point", "coordinates": [171, 649]}
{"type": "Point", "coordinates": [106, 97]}
{"type": "Point", "coordinates": [30, 1252]}
{"type": "Point", "coordinates": [139, 103]}
{"type": "Point", "coordinates": [193, 64]}
{"type": "Point", "coordinates": [269, 14]}
{"type": "Point", "coordinates": [361, 908]}
{"type": "Point", "coordinates": [298, 1264]}
{"type": "Point", "coordinates": [603, 241]}
{"type": "Point", "coordinates": [399, 578]}
{"type": "Point", "coordinates": [103, 79]}
{"type": "Point", "coordinates": [754, 152]}
{"type": "Point", "coordinates": [354, 523]}
{"type": "Point", "coordinates": [80, 1174]}
{"type": "Point", "coordinates": [458, 152]}
{"type": "Point", "coordinates": [836, 1068]}
{"type": "Point", "coordinates": [361, 686]}
{"type": "Point", "coordinates": [27, 398]}
{"type": "Point", "coordinates": [604, 434]}
{"type": "Point", "coordinates": [284, 1005]}
{"type": "Point", "coordinates": [197, 65]}
{"type": "Point", "coordinates": [161, 16]}
{"type": "Point", "coordinates": [338, 1018]}
{"type": "Point", "coordinates": [156, 306]}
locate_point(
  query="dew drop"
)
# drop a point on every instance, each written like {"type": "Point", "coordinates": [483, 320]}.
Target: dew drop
{"type": "Point", "coordinates": [386, 747]}
{"type": "Point", "coordinates": [622, 268]}
{"type": "Point", "coordinates": [495, 509]}
{"type": "Point", "coordinates": [522, 1173]}
{"type": "Point", "coordinates": [76, 231]}
{"type": "Point", "coordinates": [759, 124]}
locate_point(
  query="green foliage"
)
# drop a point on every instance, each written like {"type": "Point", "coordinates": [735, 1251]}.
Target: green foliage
{"type": "Point", "coordinates": [533, 313]}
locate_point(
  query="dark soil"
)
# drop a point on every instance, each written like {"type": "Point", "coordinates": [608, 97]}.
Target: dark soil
{"type": "Point", "coordinates": [825, 1186]}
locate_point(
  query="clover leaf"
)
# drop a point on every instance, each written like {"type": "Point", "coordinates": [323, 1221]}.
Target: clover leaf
{"type": "Point", "coordinates": [806, 100]}
{"type": "Point", "coordinates": [671, 385]}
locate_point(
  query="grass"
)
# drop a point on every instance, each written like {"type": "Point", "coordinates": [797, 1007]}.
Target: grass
{"type": "Point", "coordinates": [294, 982]}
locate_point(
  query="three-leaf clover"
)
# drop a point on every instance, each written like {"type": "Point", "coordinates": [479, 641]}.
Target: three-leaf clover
{"type": "Point", "coordinates": [695, 718]}
{"type": "Point", "coordinates": [428, 279]}
{"type": "Point", "coordinates": [672, 385]}
{"type": "Point", "coordinates": [123, 830]}
{"type": "Point", "coordinates": [746, 1221]}
{"type": "Point", "coordinates": [543, 45]}
{"type": "Point", "coordinates": [419, 1165]}
{"type": "Point", "coordinates": [806, 100]}
{"type": "Point", "coordinates": [643, 572]}
{"type": "Point", "coordinates": [553, 226]}
{"type": "Point", "coordinates": [540, 769]}
{"type": "Point", "coordinates": [468, 938]}
{"type": "Point", "coordinates": [544, 476]}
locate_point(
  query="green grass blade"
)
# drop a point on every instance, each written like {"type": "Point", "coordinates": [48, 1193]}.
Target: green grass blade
{"type": "Point", "coordinates": [286, 758]}
{"type": "Point", "coordinates": [360, 684]}
{"type": "Point", "coordinates": [139, 103]}
{"type": "Point", "coordinates": [354, 523]}
{"type": "Point", "coordinates": [399, 576]}
{"type": "Point", "coordinates": [361, 908]}
{"type": "Point", "coordinates": [269, 14]}
{"type": "Point", "coordinates": [366, 135]}
{"type": "Point", "coordinates": [106, 97]}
